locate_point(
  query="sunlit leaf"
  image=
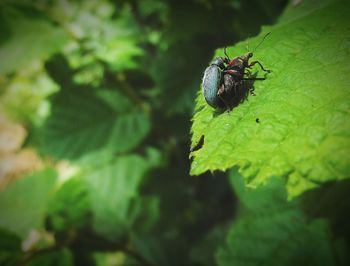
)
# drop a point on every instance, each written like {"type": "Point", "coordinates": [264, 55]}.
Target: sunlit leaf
{"type": "Point", "coordinates": [25, 93]}
{"type": "Point", "coordinates": [70, 207]}
{"type": "Point", "coordinates": [302, 129]}
{"type": "Point", "coordinates": [23, 204]}
{"type": "Point", "coordinates": [31, 39]}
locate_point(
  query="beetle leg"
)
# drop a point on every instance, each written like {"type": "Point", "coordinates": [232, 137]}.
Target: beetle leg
{"type": "Point", "coordinates": [221, 90]}
{"type": "Point", "coordinates": [253, 78]}
{"type": "Point", "coordinates": [248, 72]}
{"type": "Point", "coordinates": [257, 62]}
{"type": "Point", "coordinates": [220, 94]}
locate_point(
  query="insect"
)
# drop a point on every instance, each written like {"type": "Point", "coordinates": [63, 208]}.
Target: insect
{"type": "Point", "coordinates": [224, 77]}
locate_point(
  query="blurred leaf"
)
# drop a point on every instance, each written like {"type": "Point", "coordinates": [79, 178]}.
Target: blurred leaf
{"type": "Point", "coordinates": [31, 39]}
{"type": "Point", "coordinates": [109, 258]}
{"type": "Point", "coordinates": [23, 204]}
{"type": "Point", "coordinates": [61, 257]}
{"type": "Point", "coordinates": [176, 198]}
{"type": "Point", "coordinates": [89, 74]}
{"type": "Point", "coordinates": [303, 129]}
{"type": "Point", "coordinates": [161, 251]}
{"type": "Point", "coordinates": [102, 33]}
{"type": "Point", "coordinates": [204, 252]}
{"type": "Point", "coordinates": [331, 201]}
{"type": "Point", "coordinates": [82, 122]}
{"type": "Point", "coordinates": [10, 248]}
{"type": "Point", "coordinates": [118, 50]}
{"type": "Point", "coordinates": [273, 231]}
{"type": "Point", "coordinates": [24, 96]}
{"type": "Point", "coordinates": [70, 207]}
{"type": "Point", "coordinates": [114, 195]}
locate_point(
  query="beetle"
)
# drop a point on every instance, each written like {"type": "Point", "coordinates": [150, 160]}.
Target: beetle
{"type": "Point", "coordinates": [224, 76]}
{"type": "Point", "coordinates": [212, 81]}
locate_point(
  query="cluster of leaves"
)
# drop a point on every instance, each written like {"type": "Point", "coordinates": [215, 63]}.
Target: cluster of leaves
{"type": "Point", "coordinates": [106, 90]}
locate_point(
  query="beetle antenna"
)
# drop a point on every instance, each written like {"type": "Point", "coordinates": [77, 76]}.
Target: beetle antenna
{"type": "Point", "coordinates": [262, 41]}
{"type": "Point", "coordinates": [226, 53]}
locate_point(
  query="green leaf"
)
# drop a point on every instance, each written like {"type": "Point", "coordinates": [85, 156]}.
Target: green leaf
{"type": "Point", "coordinates": [83, 121]}
{"type": "Point", "coordinates": [203, 253]}
{"type": "Point", "coordinates": [24, 96]}
{"type": "Point", "coordinates": [303, 106]}
{"type": "Point", "coordinates": [331, 201]}
{"type": "Point", "coordinates": [114, 194]}
{"type": "Point", "coordinates": [70, 207]}
{"type": "Point", "coordinates": [158, 250]}
{"type": "Point", "coordinates": [118, 48]}
{"type": "Point", "coordinates": [104, 33]}
{"type": "Point", "coordinates": [273, 231]}
{"type": "Point", "coordinates": [30, 39]}
{"type": "Point", "coordinates": [23, 204]}
{"type": "Point", "coordinates": [109, 258]}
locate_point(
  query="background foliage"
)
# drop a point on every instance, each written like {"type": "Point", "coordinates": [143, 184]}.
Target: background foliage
{"type": "Point", "coordinates": [95, 169]}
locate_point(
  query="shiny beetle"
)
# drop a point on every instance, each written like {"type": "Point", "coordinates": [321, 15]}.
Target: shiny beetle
{"type": "Point", "coordinates": [224, 76]}
{"type": "Point", "coordinates": [212, 81]}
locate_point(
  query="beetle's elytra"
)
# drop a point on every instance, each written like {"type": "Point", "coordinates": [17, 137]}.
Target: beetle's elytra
{"type": "Point", "coordinates": [212, 80]}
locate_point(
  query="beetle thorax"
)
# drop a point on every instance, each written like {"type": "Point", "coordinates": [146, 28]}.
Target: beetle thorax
{"type": "Point", "coordinates": [240, 63]}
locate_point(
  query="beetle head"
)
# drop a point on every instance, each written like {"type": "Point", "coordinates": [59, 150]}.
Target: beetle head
{"type": "Point", "coordinates": [246, 57]}
{"type": "Point", "coordinates": [219, 61]}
